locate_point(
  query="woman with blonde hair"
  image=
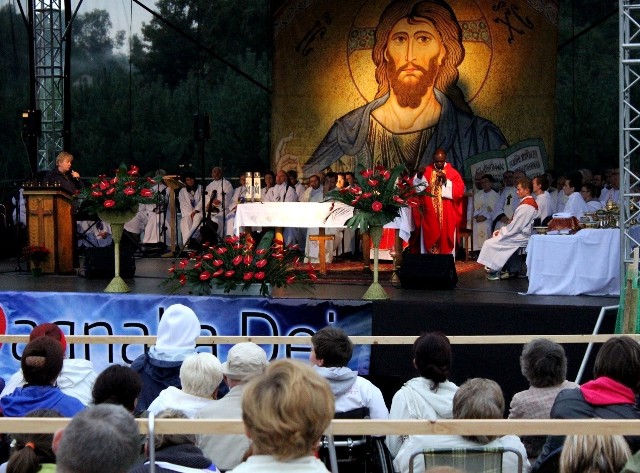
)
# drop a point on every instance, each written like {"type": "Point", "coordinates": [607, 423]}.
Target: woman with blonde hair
{"type": "Point", "coordinates": [285, 411]}
{"type": "Point", "coordinates": [594, 454]}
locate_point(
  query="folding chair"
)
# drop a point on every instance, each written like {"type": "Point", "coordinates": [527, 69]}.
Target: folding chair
{"type": "Point", "coordinates": [470, 460]}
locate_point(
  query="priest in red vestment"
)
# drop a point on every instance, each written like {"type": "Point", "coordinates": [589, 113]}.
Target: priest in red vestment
{"type": "Point", "coordinates": [439, 214]}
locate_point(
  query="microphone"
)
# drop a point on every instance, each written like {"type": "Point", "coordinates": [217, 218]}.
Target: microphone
{"type": "Point", "coordinates": [71, 172]}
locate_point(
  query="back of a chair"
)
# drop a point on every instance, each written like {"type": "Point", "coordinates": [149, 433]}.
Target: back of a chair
{"type": "Point", "coordinates": [470, 460]}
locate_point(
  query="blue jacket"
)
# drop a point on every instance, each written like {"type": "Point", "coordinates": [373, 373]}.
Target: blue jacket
{"type": "Point", "coordinates": [29, 398]}
{"type": "Point", "coordinates": [156, 376]}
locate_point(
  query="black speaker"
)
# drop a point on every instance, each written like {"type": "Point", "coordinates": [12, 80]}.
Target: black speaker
{"type": "Point", "coordinates": [99, 263]}
{"type": "Point", "coordinates": [419, 271]}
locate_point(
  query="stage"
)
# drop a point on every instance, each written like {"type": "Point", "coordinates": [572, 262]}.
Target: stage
{"type": "Point", "coordinates": [475, 307]}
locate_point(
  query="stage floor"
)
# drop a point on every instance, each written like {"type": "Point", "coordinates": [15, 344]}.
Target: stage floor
{"type": "Point", "coordinates": [473, 286]}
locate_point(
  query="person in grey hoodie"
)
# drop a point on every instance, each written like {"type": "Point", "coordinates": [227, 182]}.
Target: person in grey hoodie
{"type": "Point", "coordinates": [331, 351]}
{"type": "Point", "coordinates": [429, 396]}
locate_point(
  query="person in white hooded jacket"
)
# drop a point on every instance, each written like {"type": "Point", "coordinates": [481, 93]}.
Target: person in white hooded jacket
{"type": "Point", "coordinates": [200, 377]}
{"type": "Point", "coordinates": [429, 396]}
{"type": "Point", "coordinates": [331, 351]}
{"type": "Point", "coordinates": [77, 376]}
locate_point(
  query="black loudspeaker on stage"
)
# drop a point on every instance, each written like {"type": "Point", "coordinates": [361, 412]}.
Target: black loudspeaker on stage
{"type": "Point", "coordinates": [427, 271]}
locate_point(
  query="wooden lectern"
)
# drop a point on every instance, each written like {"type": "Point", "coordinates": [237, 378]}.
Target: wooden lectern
{"type": "Point", "coordinates": [50, 221]}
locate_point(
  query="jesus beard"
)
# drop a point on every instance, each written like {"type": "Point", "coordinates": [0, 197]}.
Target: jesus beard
{"type": "Point", "coordinates": [409, 93]}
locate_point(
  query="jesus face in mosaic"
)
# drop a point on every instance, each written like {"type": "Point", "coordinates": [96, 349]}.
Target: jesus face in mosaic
{"type": "Point", "coordinates": [414, 53]}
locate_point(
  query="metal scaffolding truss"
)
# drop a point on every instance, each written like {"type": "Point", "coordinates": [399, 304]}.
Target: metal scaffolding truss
{"type": "Point", "coordinates": [49, 75]}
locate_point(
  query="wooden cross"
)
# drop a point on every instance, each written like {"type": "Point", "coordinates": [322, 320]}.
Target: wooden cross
{"type": "Point", "coordinates": [322, 239]}
{"type": "Point", "coordinates": [40, 212]}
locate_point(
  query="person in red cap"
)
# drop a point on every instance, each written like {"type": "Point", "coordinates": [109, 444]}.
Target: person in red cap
{"type": "Point", "coordinates": [77, 376]}
{"type": "Point", "coordinates": [439, 213]}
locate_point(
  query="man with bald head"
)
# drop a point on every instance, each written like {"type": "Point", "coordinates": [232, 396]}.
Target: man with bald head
{"type": "Point", "coordinates": [439, 214]}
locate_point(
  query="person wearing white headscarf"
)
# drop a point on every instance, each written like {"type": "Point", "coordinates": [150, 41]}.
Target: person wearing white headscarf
{"type": "Point", "coordinates": [178, 330]}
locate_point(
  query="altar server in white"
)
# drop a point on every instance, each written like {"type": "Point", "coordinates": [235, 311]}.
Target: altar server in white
{"type": "Point", "coordinates": [484, 203]}
{"type": "Point", "coordinates": [546, 205]}
{"type": "Point", "coordinates": [497, 250]}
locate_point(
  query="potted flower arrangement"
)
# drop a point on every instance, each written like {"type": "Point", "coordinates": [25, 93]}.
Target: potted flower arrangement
{"type": "Point", "coordinates": [36, 254]}
{"type": "Point", "coordinates": [376, 199]}
{"type": "Point", "coordinates": [238, 263]}
{"type": "Point", "coordinates": [115, 200]}
{"type": "Point", "coordinates": [120, 193]}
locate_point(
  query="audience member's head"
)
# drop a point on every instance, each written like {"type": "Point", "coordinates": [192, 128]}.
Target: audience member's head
{"type": "Point", "coordinates": [161, 441]}
{"type": "Point", "coordinates": [286, 410]}
{"type": "Point", "coordinates": [479, 398]}
{"type": "Point", "coordinates": [619, 359]}
{"type": "Point", "coordinates": [245, 360]}
{"type": "Point", "coordinates": [42, 361]}
{"type": "Point", "coordinates": [200, 375]}
{"type": "Point", "coordinates": [118, 385]}
{"type": "Point", "coordinates": [49, 330]}
{"type": "Point", "coordinates": [594, 454]}
{"type": "Point", "coordinates": [432, 357]}
{"type": "Point", "coordinates": [543, 363]}
{"type": "Point", "coordinates": [178, 329]}
{"type": "Point", "coordinates": [330, 347]}
{"type": "Point", "coordinates": [30, 451]}
{"type": "Point", "coordinates": [443, 469]}
{"type": "Point", "coordinates": [100, 439]}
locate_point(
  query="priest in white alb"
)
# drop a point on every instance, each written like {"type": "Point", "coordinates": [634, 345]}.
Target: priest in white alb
{"type": "Point", "coordinates": [503, 245]}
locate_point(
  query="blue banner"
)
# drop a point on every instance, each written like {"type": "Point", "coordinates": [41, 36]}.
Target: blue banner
{"type": "Point", "coordinates": [128, 314]}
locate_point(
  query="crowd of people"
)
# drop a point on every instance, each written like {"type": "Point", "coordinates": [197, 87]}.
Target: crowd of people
{"type": "Point", "coordinates": [286, 405]}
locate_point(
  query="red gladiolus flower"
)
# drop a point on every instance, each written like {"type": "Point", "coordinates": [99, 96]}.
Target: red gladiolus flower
{"type": "Point", "coordinates": [259, 275]}
{"type": "Point", "coordinates": [291, 278]}
{"type": "Point", "coordinates": [146, 192]}
{"type": "Point", "coordinates": [261, 264]}
{"type": "Point", "coordinates": [218, 273]}
{"type": "Point", "coordinates": [366, 173]}
{"type": "Point", "coordinates": [95, 184]}
{"type": "Point", "coordinates": [366, 195]}
{"type": "Point", "coordinates": [183, 279]}
{"type": "Point", "coordinates": [114, 181]}
{"type": "Point", "coordinates": [237, 260]}
{"type": "Point", "coordinates": [172, 269]}
{"type": "Point", "coordinates": [109, 203]}
{"type": "Point", "coordinates": [104, 185]}
{"type": "Point", "coordinates": [376, 206]}
{"type": "Point", "coordinates": [277, 255]}
{"type": "Point", "coordinates": [198, 265]}
{"type": "Point", "coordinates": [129, 191]}
{"type": "Point", "coordinates": [248, 259]}
{"type": "Point", "coordinates": [247, 276]}
{"type": "Point", "coordinates": [372, 182]}
{"type": "Point", "coordinates": [249, 239]}
{"type": "Point", "coordinates": [218, 262]}
{"type": "Point", "coordinates": [221, 250]}
{"type": "Point", "coordinates": [313, 277]}
{"type": "Point", "coordinates": [229, 274]}
{"type": "Point", "coordinates": [398, 200]}
{"type": "Point", "coordinates": [110, 191]}
{"type": "Point", "coordinates": [205, 276]}
{"type": "Point", "coordinates": [151, 181]}
{"type": "Point", "coordinates": [355, 190]}
{"type": "Point", "coordinates": [386, 175]}
{"type": "Point", "coordinates": [261, 251]}
{"type": "Point", "coordinates": [96, 194]}
{"type": "Point", "coordinates": [413, 202]}
{"type": "Point", "coordinates": [380, 168]}
{"type": "Point", "coordinates": [133, 170]}
{"type": "Point", "coordinates": [355, 201]}
{"type": "Point", "coordinates": [207, 256]}
{"type": "Point", "coordinates": [278, 242]}
{"type": "Point", "coordinates": [237, 246]}
{"type": "Point", "coordinates": [183, 263]}
{"type": "Point", "coordinates": [343, 190]}
{"type": "Point", "coordinates": [130, 183]}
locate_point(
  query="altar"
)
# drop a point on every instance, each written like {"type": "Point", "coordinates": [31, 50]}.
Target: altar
{"type": "Point", "coordinates": [586, 263]}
